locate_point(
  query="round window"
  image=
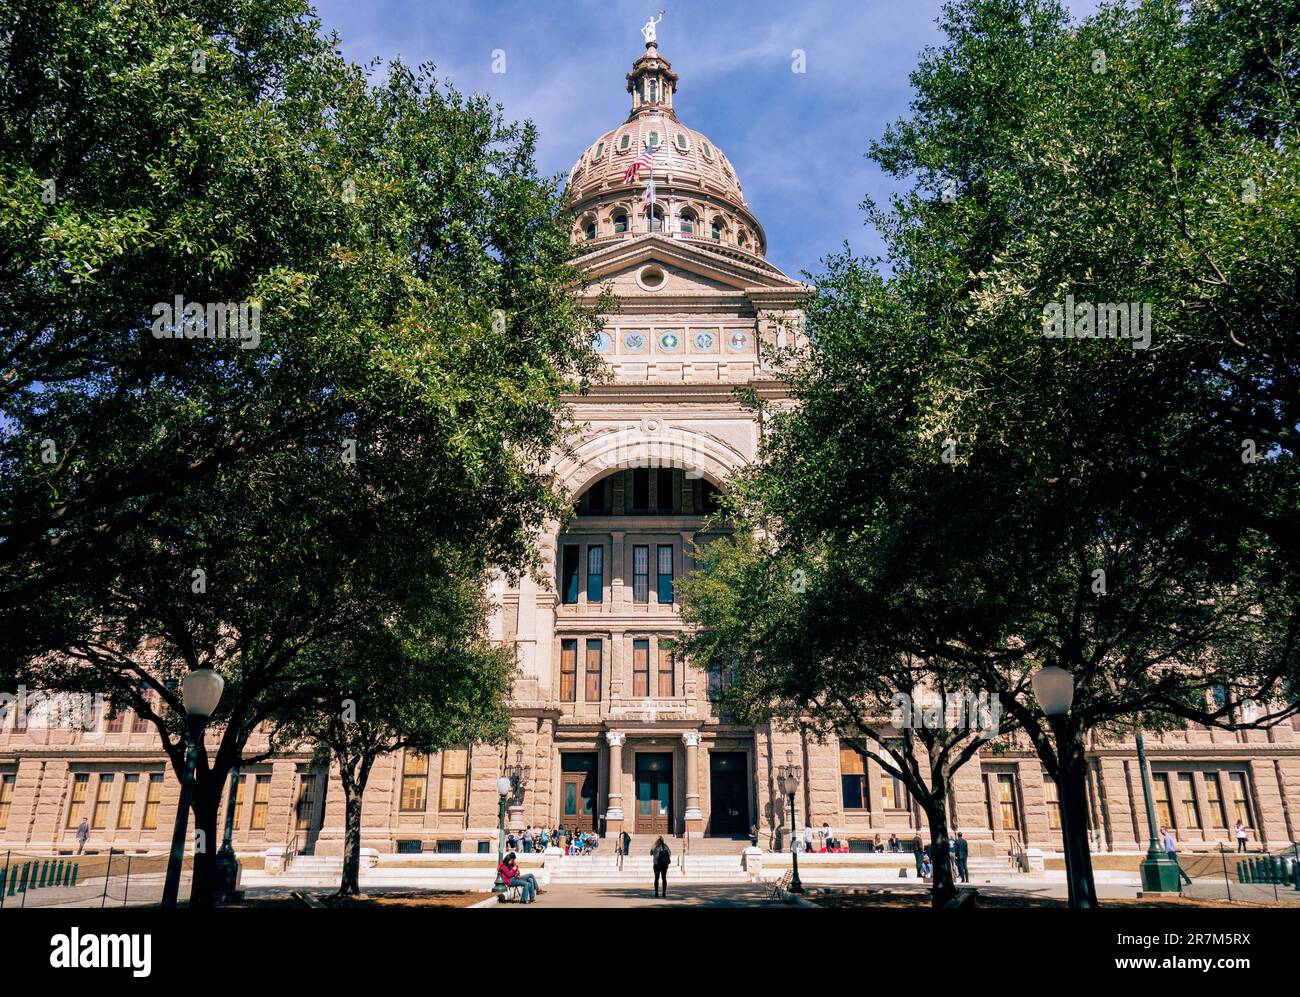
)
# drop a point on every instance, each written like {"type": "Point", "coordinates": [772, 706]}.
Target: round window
{"type": "Point", "coordinates": [651, 277]}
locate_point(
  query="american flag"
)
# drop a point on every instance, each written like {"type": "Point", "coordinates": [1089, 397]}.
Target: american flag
{"type": "Point", "coordinates": [646, 159]}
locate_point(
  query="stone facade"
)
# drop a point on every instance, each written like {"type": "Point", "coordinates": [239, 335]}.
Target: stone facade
{"type": "Point", "coordinates": [614, 731]}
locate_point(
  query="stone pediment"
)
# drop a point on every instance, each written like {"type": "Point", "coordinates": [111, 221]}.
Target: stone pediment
{"type": "Point", "coordinates": [690, 268]}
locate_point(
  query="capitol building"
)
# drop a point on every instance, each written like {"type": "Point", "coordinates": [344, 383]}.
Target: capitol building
{"type": "Point", "coordinates": [615, 730]}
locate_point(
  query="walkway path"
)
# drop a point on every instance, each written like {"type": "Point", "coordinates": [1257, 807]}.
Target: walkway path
{"type": "Point", "coordinates": [741, 895]}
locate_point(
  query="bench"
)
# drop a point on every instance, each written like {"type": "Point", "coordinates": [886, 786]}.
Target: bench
{"type": "Point", "coordinates": [781, 886]}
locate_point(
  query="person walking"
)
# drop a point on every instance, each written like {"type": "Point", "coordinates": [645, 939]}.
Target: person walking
{"type": "Point", "coordinates": [661, 857]}
{"type": "Point", "coordinates": [961, 849]}
{"type": "Point", "coordinates": [916, 852]}
{"type": "Point", "coordinates": [83, 833]}
{"type": "Point", "coordinates": [1171, 849]}
{"type": "Point", "coordinates": [1241, 836]}
{"type": "Point", "coordinates": [807, 837]}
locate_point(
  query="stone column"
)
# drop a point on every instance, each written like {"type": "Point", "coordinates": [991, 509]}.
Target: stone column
{"type": "Point", "coordinates": [614, 811]}
{"type": "Point", "coordinates": [694, 819]}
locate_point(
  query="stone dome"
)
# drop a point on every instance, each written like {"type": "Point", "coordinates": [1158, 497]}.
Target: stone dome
{"type": "Point", "coordinates": [687, 157]}
{"type": "Point", "coordinates": [697, 192]}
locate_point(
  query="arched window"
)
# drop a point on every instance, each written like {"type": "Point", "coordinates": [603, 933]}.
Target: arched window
{"type": "Point", "coordinates": [683, 142]}
{"type": "Point", "coordinates": [718, 229]}
{"type": "Point", "coordinates": [742, 239]}
{"type": "Point", "coordinates": [687, 222]}
{"type": "Point", "coordinates": [656, 219]}
{"type": "Point", "coordinates": [624, 143]}
{"type": "Point", "coordinates": [590, 229]}
{"type": "Point", "coordinates": [620, 221]}
{"type": "Point", "coordinates": [654, 91]}
{"type": "Point", "coordinates": [652, 140]}
{"type": "Point", "coordinates": [600, 150]}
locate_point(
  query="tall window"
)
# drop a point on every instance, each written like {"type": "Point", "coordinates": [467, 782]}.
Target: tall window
{"type": "Point", "coordinates": [716, 229]}
{"type": "Point", "coordinates": [687, 223]}
{"type": "Point", "coordinates": [455, 776]}
{"type": "Point", "coordinates": [152, 801]}
{"type": "Point", "coordinates": [595, 572]}
{"type": "Point", "coordinates": [664, 489]}
{"type": "Point", "coordinates": [103, 796]}
{"type": "Point", "coordinates": [892, 794]}
{"type": "Point", "coordinates": [667, 673]}
{"type": "Point", "coordinates": [591, 692]}
{"type": "Point", "coordinates": [1240, 801]}
{"type": "Point", "coordinates": [306, 801]}
{"type": "Point", "coordinates": [1008, 813]}
{"type": "Point", "coordinates": [620, 222]}
{"type": "Point", "coordinates": [80, 787]}
{"type": "Point", "coordinates": [126, 809]}
{"type": "Point", "coordinates": [1191, 812]}
{"type": "Point", "coordinates": [415, 782]}
{"type": "Point", "coordinates": [262, 801]}
{"type": "Point", "coordinates": [640, 574]}
{"type": "Point", "coordinates": [641, 489]}
{"type": "Point", "coordinates": [1053, 802]}
{"type": "Point", "coordinates": [656, 219]}
{"type": "Point", "coordinates": [239, 801]}
{"type": "Point", "coordinates": [641, 668]}
{"type": "Point", "coordinates": [1164, 812]}
{"type": "Point", "coordinates": [853, 779]}
{"type": "Point", "coordinates": [568, 671]}
{"type": "Point", "coordinates": [116, 721]}
{"type": "Point", "coordinates": [569, 575]}
{"type": "Point", "coordinates": [1214, 796]}
{"type": "Point", "coordinates": [6, 798]}
{"type": "Point", "coordinates": [665, 592]}
{"type": "Point", "coordinates": [591, 231]}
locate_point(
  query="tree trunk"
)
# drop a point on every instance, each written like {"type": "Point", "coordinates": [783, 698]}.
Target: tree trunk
{"type": "Point", "coordinates": [350, 884]}
{"type": "Point", "coordinates": [942, 887]}
{"type": "Point", "coordinates": [354, 791]}
{"type": "Point", "coordinates": [207, 800]}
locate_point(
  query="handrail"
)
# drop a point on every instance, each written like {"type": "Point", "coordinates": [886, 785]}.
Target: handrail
{"type": "Point", "coordinates": [1016, 852]}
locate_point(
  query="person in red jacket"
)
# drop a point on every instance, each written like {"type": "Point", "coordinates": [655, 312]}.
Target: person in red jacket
{"type": "Point", "coordinates": [512, 875]}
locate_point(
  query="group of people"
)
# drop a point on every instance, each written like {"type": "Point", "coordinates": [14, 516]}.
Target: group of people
{"type": "Point", "coordinates": [539, 839]}
{"type": "Point", "coordinates": [821, 840]}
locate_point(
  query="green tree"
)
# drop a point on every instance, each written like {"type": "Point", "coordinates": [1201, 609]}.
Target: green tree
{"type": "Point", "coordinates": [995, 500]}
{"type": "Point", "coordinates": [238, 508]}
{"type": "Point", "coordinates": [423, 681]}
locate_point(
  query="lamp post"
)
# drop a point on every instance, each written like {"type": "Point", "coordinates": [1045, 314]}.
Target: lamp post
{"type": "Point", "coordinates": [503, 790]}
{"type": "Point", "coordinates": [227, 865]}
{"type": "Point", "coordinates": [200, 693]}
{"type": "Point", "coordinates": [1054, 689]}
{"type": "Point", "coordinates": [789, 774]}
{"type": "Point", "coordinates": [1159, 873]}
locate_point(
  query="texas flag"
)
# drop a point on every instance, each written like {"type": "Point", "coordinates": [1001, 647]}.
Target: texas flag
{"type": "Point", "coordinates": [649, 199]}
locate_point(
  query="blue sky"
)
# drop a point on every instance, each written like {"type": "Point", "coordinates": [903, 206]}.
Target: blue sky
{"type": "Point", "coordinates": [796, 140]}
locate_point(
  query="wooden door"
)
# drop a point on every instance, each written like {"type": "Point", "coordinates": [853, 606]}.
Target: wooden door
{"type": "Point", "coordinates": [654, 793]}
